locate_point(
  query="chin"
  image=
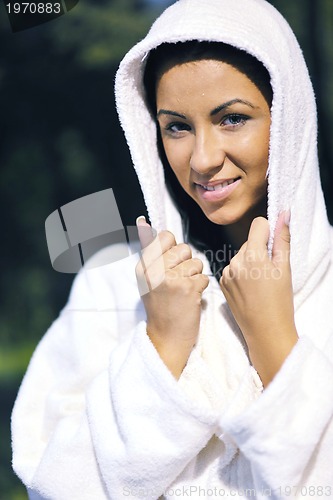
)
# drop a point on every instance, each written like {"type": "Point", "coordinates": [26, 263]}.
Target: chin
{"type": "Point", "coordinates": [224, 216]}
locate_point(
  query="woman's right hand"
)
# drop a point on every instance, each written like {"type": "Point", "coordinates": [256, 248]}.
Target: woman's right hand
{"type": "Point", "coordinates": [173, 302]}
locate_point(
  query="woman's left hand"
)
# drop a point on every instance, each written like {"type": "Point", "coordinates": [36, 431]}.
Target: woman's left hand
{"type": "Point", "coordinates": [259, 292]}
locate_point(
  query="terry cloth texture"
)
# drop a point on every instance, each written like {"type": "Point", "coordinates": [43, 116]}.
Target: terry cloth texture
{"type": "Point", "coordinates": [100, 416]}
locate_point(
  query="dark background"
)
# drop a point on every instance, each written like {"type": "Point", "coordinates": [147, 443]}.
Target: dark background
{"type": "Point", "coordinates": [60, 140]}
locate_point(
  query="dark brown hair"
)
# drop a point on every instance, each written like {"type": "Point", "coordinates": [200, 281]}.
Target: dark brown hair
{"type": "Point", "coordinates": [171, 54]}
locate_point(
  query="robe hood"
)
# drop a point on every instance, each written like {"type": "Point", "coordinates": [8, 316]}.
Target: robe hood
{"type": "Point", "coordinates": [293, 172]}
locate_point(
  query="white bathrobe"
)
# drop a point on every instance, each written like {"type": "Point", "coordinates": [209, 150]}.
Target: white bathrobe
{"type": "Point", "coordinates": [100, 416]}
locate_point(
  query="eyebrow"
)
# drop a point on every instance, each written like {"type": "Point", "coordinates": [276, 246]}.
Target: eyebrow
{"type": "Point", "coordinates": [168, 112]}
{"type": "Point", "coordinates": [230, 103]}
{"type": "Point", "coordinates": [213, 112]}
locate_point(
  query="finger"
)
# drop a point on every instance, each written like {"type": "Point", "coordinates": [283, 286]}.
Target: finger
{"type": "Point", "coordinates": [177, 254]}
{"type": "Point", "coordinates": [201, 282]}
{"type": "Point", "coordinates": [242, 250]}
{"type": "Point", "coordinates": [281, 244]}
{"type": "Point", "coordinates": [232, 273]}
{"type": "Point", "coordinates": [258, 237]}
{"type": "Point", "coordinates": [156, 271]}
{"type": "Point", "coordinates": [224, 283]}
{"type": "Point", "coordinates": [188, 268]}
{"type": "Point", "coordinates": [239, 256]}
{"type": "Point", "coordinates": [164, 241]}
{"type": "Point", "coordinates": [151, 267]}
{"type": "Point", "coordinates": [225, 277]}
{"type": "Point", "coordinates": [145, 231]}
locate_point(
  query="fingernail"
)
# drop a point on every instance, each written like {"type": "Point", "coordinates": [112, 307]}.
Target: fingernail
{"type": "Point", "coordinates": [287, 218]}
{"type": "Point", "coordinates": [141, 220]}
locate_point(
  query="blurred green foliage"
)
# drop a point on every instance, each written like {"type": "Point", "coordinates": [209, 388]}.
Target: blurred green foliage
{"type": "Point", "coordinates": [60, 140]}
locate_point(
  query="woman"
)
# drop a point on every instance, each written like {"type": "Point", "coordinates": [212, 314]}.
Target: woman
{"type": "Point", "coordinates": [153, 387]}
{"type": "Point", "coordinates": [213, 127]}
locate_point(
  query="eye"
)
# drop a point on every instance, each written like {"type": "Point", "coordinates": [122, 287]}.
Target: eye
{"type": "Point", "coordinates": [175, 128]}
{"type": "Point", "coordinates": [234, 120]}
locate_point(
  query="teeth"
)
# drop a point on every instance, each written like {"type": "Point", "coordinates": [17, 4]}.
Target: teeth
{"type": "Point", "coordinates": [218, 187]}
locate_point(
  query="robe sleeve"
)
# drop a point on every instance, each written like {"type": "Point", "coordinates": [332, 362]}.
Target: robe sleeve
{"type": "Point", "coordinates": [102, 417]}
{"type": "Point", "coordinates": [287, 434]}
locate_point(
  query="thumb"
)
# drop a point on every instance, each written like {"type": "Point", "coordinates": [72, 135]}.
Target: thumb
{"type": "Point", "coordinates": [281, 245]}
{"type": "Point", "coordinates": [145, 231]}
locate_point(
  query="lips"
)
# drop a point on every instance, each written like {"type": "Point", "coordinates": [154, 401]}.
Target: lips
{"type": "Point", "coordinates": [217, 190]}
{"type": "Point", "coordinates": [217, 185]}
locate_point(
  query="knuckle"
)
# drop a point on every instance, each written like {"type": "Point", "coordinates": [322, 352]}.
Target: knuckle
{"type": "Point", "coordinates": [170, 276]}
{"type": "Point", "coordinates": [233, 266]}
{"type": "Point", "coordinates": [188, 287]}
{"type": "Point", "coordinates": [198, 264]}
{"type": "Point", "coordinates": [225, 276]}
{"type": "Point", "coordinates": [205, 280]}
{"type": "Point", "coordinates": [200, 281]}
{"type": "Point", "coordinates": [167, 236]}
{"type": "Point", "coordinates": [251, 255]}
{"type": "Point", "coordinates": [286, 237]}
{"type": "Point", "coordinates": [193, 268]}
{"type": "Point", "coordinates": [232, 262]}
{"type": "Point", "coordinates": [184, 250]}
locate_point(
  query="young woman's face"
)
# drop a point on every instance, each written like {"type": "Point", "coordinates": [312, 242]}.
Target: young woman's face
{"type": "Point", "coordinates": [215, 127]}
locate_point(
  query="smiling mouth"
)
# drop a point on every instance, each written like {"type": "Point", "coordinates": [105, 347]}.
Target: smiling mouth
{"type": "Point", "coordinates": [218, 187]}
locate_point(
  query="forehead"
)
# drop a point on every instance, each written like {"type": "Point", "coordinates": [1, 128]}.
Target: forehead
{"type": "Point", "coordinates": [210, 79]}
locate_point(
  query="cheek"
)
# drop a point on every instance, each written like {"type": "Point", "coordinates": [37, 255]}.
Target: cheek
{"type": "Point", "coordinates": [178, 156]}
{"type": "Point", "coordinates": [254, 151]}
{"type": "Point", "coordinates": [263, 143]}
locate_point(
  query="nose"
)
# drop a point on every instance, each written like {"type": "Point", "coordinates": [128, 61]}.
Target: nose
{"type": "Point", "coordinates": [208, 153]}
